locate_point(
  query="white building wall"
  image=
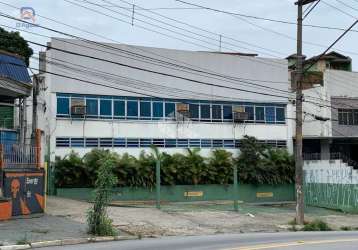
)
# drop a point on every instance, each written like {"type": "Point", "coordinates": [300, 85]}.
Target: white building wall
{"type": "Point", "coordinates": [270, 70]}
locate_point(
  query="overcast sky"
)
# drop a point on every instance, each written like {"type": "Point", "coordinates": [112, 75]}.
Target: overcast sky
{"type": "Point", "coordinates": [271, 43]}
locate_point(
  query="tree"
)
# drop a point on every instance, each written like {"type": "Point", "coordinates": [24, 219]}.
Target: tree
{"type": "Point", "coordinates": [97, 218]}
{"type": "Point", "coordinates": [13, 42]}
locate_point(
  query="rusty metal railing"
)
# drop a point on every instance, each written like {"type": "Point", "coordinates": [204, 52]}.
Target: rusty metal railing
{"type": "Point", "coordinates": [18, 156]}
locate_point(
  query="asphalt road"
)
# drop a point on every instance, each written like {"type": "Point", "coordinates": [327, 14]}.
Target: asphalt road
{"type": "Point", "coordinates": [256, 241]}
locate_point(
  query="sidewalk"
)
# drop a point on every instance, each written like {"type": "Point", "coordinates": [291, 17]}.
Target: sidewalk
{"type": "Point", "coordinates": [43, 228]}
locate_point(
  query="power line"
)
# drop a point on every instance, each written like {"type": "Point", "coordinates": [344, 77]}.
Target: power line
{"type": "Point", "coordinates": [338, 9]}
{"type": "Point", "coordinates": [198, 28]}
{"type": "Point", "coordinates": [311, 8]}
{"type": "Point", "coordinates": [154, 72]}
{"type": "Point", "coordinates": [261, 18]}
{"type": "Point", "coordinates": [111, 53]}
{"type": "Point", "coordinates": [329, 47]}
{"type": "Point", "coordinates": [175, 26]}
{"type": "Point", "coordinates": [268, 29]}
{"type": "Point", "coordinates": [347, 5]}
{"type": "Point", "coordinates": [137, 48]}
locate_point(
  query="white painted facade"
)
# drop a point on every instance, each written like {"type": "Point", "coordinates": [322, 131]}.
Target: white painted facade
{"type": "Point", "coordinates": [338, 84]}
{"type": "Point", "coordinates": [271, 73]}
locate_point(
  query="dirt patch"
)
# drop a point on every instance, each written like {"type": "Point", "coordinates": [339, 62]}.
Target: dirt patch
{"type": "Point", "coordinates": [188, 219]}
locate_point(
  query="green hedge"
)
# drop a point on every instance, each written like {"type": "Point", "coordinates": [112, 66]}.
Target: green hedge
{"type": "Point", "coordinates": [257, 164]}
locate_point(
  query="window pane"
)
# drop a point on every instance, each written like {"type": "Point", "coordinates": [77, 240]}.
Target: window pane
{"type": "Point", "coordinates": [132, 108]}
{"type": "Point", "coordinates": [205, 111]}
{"type": "Point", "coordinates": [106, 107]}
{"type": "Point", "coordinates": [270, 114]}
{"type": "Point", "coordinates": [169, 109]}
{"type": "Point", "coordinates": [119, 108]}
{"type": "Point", "coordinates": [340, 116]}
{"type": "Point", "coordinates": [158, 109]}
{"type": "Point", "coordinates": [250, 111]}
{"type": "Point", "coordinates": [280, 114]}
{"type": "Point", "coordinates": [350, 117]}
{"type": "Point", "coordinates": [145, 109]}
{"type": "Point", "coordinates": [194, 111]}
{"type": "Point", "coordinates": [260, 113]}
{"type": "Point", "coordinates": [216, 112]}
{"type": "Point", "coordinates": [355, 117]}
{"type": "Point", "coordinates": [92, 107]}
{"type": "Point", "coordinates": [63, 106]}
{"type": "Point", "coordinates": [345, 118]}
{"type": "Point", "coordinates": [227, 110]}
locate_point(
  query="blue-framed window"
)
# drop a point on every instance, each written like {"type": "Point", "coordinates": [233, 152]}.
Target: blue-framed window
{"type": "Point", "coordinates": [206, 143]}
{"type": "Point", "coordinates": [270, 114]}
{"type": "Point", "coordinates": [63, 106]}
{"type": "Point", "coordinates": [77, 142]}
{"type": "Point", "coordinates": [280, 115]}
{"type": "Point", "coordinates": [106, 108]}
{"type": "Point", "coordinates": [251, 113]}
{"type": "Point", "coordinates": [144, 143]}
{"type": "Point", "coordinates": [158, 110]}
{"type": "Point", "coordinates": [91, 142]}
{"type": "Point", "coordinates": [105, 142]}
{"type": "Point", "coordinates": [92, 107]}
{"type": "Point", "coordinates": [133, 143]}
{"type": "Point", "coordinates": [194, 111]}
{"type": "Point", "coordinates": [119, 142]}
{"type": "Point", "coordinates": [194, 143]}
{"type": "Point", "coordinates": [62, 142]}
{"type": "Point", "coordinates": [145, 109]}
{"type": "Point", "coordinates": [158, 142]}
{"type": "Point", "coordinates": [260, 114]}
{"type": "Point", "coordinates": [227, 112]}
{"type": "Point", "coordinates": [169, 110]}
{"type": "Point", "coordinates": [132, 108]}
{"type": "Point", "coordinates": [119, 108]}
{"type": "Point", "coordinates": [205, 112]}
{"type": "Point", "coordinates": [168, 143]}
{"type": "Point", "coordinates": [216, 112]}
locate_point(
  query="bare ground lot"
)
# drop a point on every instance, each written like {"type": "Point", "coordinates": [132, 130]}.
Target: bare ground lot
{"type": "Point", "coordinates": [199, 218]}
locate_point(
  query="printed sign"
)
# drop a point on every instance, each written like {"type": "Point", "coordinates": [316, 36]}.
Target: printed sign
{"type": "Point", "coordinates": [264, 195]}
{"type": "Point", "coordinates": [194, 194]}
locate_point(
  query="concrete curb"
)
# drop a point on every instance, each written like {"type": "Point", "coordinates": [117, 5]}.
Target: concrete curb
{"type": "Point", "coordinates": [15, 247]}
{"type": "Point", "coordinates": [68, 242]}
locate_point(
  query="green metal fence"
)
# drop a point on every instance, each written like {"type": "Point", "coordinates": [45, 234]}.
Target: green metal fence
{"type": "Point", "coordinates": [342, 197]}
{"type": "Point", "coordinates": [244, 192]}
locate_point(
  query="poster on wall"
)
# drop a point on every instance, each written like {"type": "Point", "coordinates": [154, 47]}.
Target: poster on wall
{"type": "Point", "coordinates": [26, 191]}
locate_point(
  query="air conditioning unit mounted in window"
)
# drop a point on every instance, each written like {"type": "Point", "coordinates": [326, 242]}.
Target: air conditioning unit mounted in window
{"type": "Point", "coordinates": [240, 117]}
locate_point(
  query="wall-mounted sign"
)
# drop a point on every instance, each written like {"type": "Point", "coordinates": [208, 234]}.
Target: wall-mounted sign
{"type": "Point", "coordinates": [194, 194]}
{"type": "Point", "coordinates": [264, 195]}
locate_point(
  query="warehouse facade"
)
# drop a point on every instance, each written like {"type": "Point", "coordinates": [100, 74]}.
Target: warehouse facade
{"type": "Point", "coordinates": [126, 98]}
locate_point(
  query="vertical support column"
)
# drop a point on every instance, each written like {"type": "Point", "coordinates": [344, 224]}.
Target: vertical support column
{"type": "Point", "coordinates": [299, 137]}
{"type": "Point", "coordinates": [236, 203]}
{"type": "Point", "coordinates": [157, 171]}
{"type": "Point", "coordinates": [1, 167]}
{"type": "Point", "coordinates": [2, 163]}
{"type": "Point", "coordinates": [38, 148]}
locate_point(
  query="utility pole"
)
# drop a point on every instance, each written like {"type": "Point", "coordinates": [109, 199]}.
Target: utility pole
{"type": "Point", "coordinates": [35, 92]}
{"type": "Point", "coordinates": [299, 100]}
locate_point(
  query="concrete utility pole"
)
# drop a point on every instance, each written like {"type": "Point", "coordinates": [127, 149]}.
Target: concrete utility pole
{"type": "Point", "coordinates": [299, 99]}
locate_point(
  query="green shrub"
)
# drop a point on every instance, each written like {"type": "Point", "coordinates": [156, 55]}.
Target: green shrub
{"type": "Point", "coordinates": [220, 166]}
{"type": "Point", "coordinates": [97, 219]}
{"type": "Point", "coordinates": [316, 225]}
{"type": "Point", "coordinates": [257, 164]}
{"type": "Point", "coordinates": [70, 172]}
{"type": "Point", "coordinates": [260, 164]}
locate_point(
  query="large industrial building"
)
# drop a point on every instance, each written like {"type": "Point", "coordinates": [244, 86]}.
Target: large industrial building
{"type": "Point", "coordinates": [126, 98]}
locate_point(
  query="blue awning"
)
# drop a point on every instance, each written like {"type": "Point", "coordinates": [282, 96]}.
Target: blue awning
{"type": "Point", "coordinates": [13, 68]}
